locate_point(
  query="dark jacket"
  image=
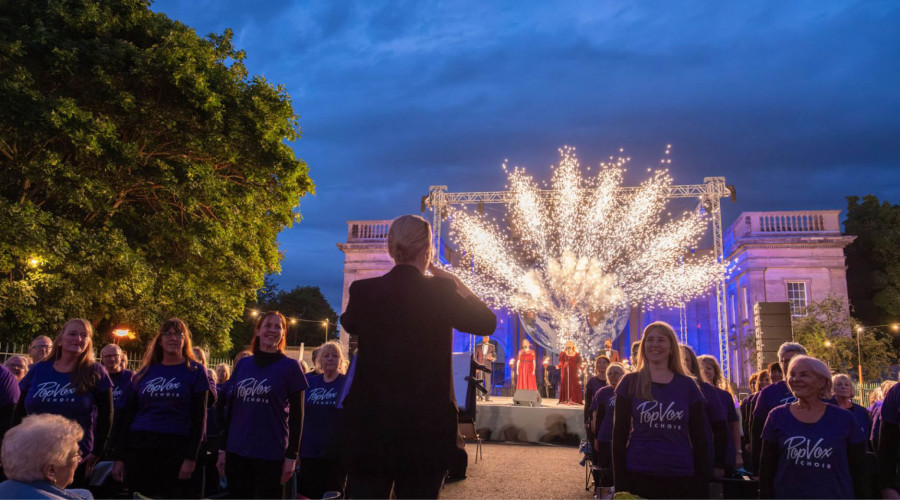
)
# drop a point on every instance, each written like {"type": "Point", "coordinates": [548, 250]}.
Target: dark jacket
{"type": "Point", "coordinates": [400, 406]}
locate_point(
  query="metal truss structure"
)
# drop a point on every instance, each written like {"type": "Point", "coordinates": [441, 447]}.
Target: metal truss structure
{"type": "Point", "coordinates": [709, 195]}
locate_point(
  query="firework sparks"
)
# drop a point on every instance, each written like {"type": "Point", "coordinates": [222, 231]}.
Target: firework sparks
{"type": "Point", "coordinates": [584, 248]}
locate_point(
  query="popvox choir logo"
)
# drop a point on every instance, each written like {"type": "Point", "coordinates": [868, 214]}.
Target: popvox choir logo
{"type": "Point", "coordinates": [54, 392]}
{"type": "Point", "coordinates": [659, 416]}
{"type": "Point", "coordinates": [118, 393]}
{"type": "Point", "coordinates": [801, 450]}
{"type": "Point", "coordinates": [322, 396]}
{"type": "Point", "coordinates": [252, 390]}
{"type": "Point", "coordinates": [160, 387]}
{"type": "Point", "coordinates": [788, 400]}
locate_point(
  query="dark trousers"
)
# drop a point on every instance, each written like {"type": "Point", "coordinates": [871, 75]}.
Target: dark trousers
{"type": "Point", "coordinates": [152, 462]}
{"type": "Point", "coordinates": [650, 486]}
{"type": "Point", "coordinates": [318, 476]}
{"type": "Point", "coordinates": [406, 482]}
{"type": "Point", "coordinates": [253, 477]}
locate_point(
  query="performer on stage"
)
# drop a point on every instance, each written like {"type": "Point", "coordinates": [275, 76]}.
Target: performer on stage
{"type": "Point", "coordinates": [609, 352]}
{"type": "Point", "coordinates": [570, 370]}
{"type": "Point", "coordinates": [525, 364]}
{"type": "Point", "coordinates": [485, 354]}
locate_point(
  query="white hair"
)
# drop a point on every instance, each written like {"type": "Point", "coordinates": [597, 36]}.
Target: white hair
{"type": "Point", "coordinates": [819, 369]}
{"type": "Point", "coordinates": [38, 441]}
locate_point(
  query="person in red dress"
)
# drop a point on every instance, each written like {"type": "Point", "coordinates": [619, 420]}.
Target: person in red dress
{"type": "Point", "coordinates": [525, 365]}
{"type": "Point", "coordinates": [570, 375]}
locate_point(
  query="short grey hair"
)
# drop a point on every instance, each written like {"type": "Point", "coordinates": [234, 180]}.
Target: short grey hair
{"type": "Point", "coordinates": [39, 440]}
{"type": "Point", "coordinates": [790, 347]}
{"type": "Point", "coordinates": [819, 368]}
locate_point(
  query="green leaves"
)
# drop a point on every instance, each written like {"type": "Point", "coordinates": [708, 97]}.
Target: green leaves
{"type": "Point", "coordinates": [142, 164]}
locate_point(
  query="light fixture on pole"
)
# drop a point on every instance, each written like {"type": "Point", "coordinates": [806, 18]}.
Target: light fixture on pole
{"type": "Point", "coordinates": [121, 333]}
{"type": "Point", "coordinates": [859, 331]}
{"type": "Point", "coordinates": [325, 324]}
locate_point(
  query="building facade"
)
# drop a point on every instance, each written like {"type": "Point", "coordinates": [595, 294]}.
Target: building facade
{"type": "Point", "coordinates": [790, 256]}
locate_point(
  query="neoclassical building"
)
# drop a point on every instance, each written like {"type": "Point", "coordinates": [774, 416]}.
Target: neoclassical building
{"type": "Point", "coordinates": [790, 256]}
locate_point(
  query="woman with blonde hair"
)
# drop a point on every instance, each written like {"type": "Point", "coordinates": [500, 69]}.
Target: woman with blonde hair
{"type": "Point", "coordinates": [844, 392]}
{"type": "Point", "coordinates": [659, 441]}
{"type": "Point", "coordinates": [321, 469]}
{"type": "Point", "coordinates": [157, 439]}
{"type": "Point", "coordinates": [811, 449]}
{"type": "Point", "coordinates": [570, 375]}
{"type": "Point", "coordinates": [40, 456]}
{"type": "Point", "coordinates": [400, 422]}
{"type": "Point", "coordinates": [71, 383]}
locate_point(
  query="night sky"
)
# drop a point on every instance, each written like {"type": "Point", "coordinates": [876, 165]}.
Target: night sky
{"type": "Point", "coordinates": [795, 103]}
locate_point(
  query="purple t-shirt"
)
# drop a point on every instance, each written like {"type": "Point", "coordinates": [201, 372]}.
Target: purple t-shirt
{"type": "Point", "coordinates": [812, 458]}
{"type": "Point", "coordinates": [605, 397]}
{"type": "Point", "coordinates": [9, 387]}
{"type": "Point", "coordinates": [660, 441]}
{"type": "Point", "coordinates": [875, 419]}
{"type": "Point", "coordinates": [164, 397]}
{"type": "Point", "coordinates": [121, 385]}
{"type": "Point", "coordinates": [49, 391]}
{"type": "Point", "coordinates": [770, 397]}
{"type": "Point", "coordinates": [259, 407]}
{"type": "Point", "coordinates": [727, 402]}
{"type": "Point", "coordinates": [320, 415]}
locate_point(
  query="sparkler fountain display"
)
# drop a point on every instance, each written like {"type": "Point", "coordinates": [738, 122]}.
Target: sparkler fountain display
{"type": "Point", "coordinates": [584, 249]}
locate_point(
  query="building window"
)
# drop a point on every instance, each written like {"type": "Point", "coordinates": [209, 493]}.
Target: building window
{"type": "Point", "coordinates": [734, 311]}
{"type": "Point", "coordinates": [796, 294]}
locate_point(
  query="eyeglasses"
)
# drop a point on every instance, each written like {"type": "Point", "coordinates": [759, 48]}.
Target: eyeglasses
{"type": "Point", "coordinates": [43, 347]}
{"type": "Point", "coordinates": [173, 333]}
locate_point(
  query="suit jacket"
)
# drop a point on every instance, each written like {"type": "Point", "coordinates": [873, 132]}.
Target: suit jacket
{"type": "Point", "coordinates": [491, 354]}
{"type": "Point", "coordinates": [613, 355]}
{"type": "Point", "coordinates": [400, 408]}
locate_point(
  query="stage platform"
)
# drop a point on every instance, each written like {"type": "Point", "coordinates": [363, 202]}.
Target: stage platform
{"type": "Point", "coordinates": [500, 420]}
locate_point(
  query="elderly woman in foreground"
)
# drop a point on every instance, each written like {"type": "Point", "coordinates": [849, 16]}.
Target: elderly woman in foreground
{"type": "Point", "coordinates": [40, 456]}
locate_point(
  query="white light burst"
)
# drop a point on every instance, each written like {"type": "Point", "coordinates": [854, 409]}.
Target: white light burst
{"type": "Point", "coordinates": [584, 248]}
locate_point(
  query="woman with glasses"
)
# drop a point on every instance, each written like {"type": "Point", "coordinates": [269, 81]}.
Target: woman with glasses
{"type": "Point", "coordinates": [18, 365]}
{"type": "Point", "coordinates": [70, 383]}
{"type": "Point", "coordinates": [158, 436]}
{"type": "Point", "coordinates": [263, 417]}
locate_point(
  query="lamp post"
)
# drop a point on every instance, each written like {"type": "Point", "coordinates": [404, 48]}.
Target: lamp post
{"type": "Point", "coordinates": [325, 324]}
{"type": "Point", "coordinates": [120, 333]}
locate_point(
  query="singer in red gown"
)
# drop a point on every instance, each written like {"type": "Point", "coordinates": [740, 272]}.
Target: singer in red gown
{"type": "Point", "coordinates": [570, 375]}
{"type": "Point", "coordinates": [525, 368]}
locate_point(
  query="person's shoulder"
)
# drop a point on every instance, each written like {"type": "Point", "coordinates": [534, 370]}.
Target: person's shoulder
{"type": "Point", "coordinates": [781, 410]}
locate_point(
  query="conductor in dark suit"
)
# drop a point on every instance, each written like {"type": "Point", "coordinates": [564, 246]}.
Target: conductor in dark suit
{"type": "Point", "coordinates": [485, 354]}
{"type": "Point", "coordinates": [400, 416]}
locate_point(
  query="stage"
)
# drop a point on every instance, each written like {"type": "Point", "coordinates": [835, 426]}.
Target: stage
{"type": "Point", "coordinates": [499, 420]}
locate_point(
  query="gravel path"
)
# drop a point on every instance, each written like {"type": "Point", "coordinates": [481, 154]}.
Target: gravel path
{"type": "Point", "coordinates": [510, 470]}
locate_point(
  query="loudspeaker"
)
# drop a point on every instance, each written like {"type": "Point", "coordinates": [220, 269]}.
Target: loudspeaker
{"type": "Point", "coordinates": [527, 397]}
{"type": "Point", "coordinates": [773, 327]}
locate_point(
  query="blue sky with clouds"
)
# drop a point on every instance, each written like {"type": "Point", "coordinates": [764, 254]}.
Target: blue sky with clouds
{"type": "Point", "coordinates": [795, 103]}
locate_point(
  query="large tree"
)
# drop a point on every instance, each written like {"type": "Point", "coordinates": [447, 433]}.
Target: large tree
{"type": "Point", "coordinates": [873, 260]}
{"type": "Point", "coordinates": [145, 173]}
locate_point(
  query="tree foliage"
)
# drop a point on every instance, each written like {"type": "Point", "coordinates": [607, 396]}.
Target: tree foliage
{"type": "Point", "coordinates": [145, 173]}
{"type": "Point", "coordinates": [873, 259]}
{"type": "Point", "coordinates": [829, 333]}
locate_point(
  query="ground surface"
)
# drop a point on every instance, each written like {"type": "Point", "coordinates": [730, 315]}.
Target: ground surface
{"type": "Point", "coordinates": [521, 471]}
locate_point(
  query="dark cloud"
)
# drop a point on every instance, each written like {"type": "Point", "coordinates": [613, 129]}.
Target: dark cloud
{"type": "Point", "coordinates": [795, 103]}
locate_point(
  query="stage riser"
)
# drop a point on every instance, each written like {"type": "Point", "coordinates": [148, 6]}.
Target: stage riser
{"type": "Point", "coordinates": [501, 421]}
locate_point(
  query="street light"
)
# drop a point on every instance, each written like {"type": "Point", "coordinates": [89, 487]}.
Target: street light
{"type": "Point", "coordinates": [325, 324]}
{"type": "Point", "coordinates": [121, 333]}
